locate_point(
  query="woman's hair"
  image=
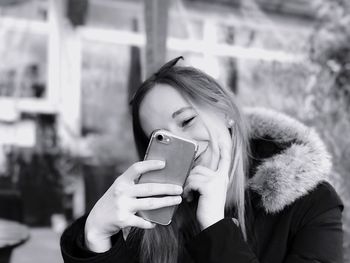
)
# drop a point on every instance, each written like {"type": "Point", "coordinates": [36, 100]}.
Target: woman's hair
{"type": "Point", "coordinates": [164, 244]}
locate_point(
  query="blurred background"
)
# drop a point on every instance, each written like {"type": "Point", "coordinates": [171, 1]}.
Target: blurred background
{"type": "Point", "coordinates": [69, 67]}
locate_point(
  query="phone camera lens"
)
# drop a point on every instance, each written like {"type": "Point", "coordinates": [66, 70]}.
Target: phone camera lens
{"type": "Point", "coordinates": [160, 137]}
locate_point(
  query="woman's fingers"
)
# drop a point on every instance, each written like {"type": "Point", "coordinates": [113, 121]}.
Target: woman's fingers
{"type": "Point", "coordinates": [151, 189]}
{"type": "Point", "coordinates": [151, 203]}
{"type": "Point", "coordinates": [193, 186]}
{"type": "Point", "coordinates": [135, 170]}
{"type": "Point", "coordinates": [194, 183]}
{"type": "Point", "coordinates": [139, 222]}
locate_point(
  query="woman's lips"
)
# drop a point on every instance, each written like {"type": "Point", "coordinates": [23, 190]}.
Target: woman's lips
{"type": "Point", "coordinates": [199, 156]}
{"type": "Point", "coordinates": [196, 159]}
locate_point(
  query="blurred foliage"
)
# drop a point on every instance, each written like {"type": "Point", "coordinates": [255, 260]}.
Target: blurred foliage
{"type": "Point", "coordinates": [330, 45]}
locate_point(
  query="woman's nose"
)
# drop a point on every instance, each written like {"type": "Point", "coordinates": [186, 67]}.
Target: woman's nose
{"type": "Point", "coordinates": [183, 134]}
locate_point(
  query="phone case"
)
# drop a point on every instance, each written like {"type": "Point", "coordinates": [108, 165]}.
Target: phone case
{"type": "Point", "coordinates": [178, 153]}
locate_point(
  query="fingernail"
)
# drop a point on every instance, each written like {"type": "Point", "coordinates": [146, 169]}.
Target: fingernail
{"type": "Point", "coordinates": [178, 189]}
{"type": "Point", "coordinates": [178, 199]}
{"type": "Point", "coordinates": [161, 163]}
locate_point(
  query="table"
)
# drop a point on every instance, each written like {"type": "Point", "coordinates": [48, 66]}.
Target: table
{"type": "Point", "coordinates": [12, 234]}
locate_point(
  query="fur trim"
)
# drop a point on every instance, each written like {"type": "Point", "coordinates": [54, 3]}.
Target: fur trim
{"type": "Point", "coordinates": [291, 174]}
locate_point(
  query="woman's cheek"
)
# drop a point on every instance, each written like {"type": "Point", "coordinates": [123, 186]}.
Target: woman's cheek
{"type": "Point", "coordinates": [213, 157]}
{"type": "Point", "coordinates": [207, 131]}
{"type": "Point", "coordinates": [206, 159]}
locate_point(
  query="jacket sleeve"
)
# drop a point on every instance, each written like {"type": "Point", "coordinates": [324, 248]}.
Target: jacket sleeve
{"type": "Point", "coordinates": [319, 234]}
{"type": "Point", "coordinates": [318, 237]}
{"type": "Point", "coordinates": [73, 247]}
{"type": "Point", "coordinates": [221, 242]}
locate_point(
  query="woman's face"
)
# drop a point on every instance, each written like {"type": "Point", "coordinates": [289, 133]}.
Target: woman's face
{"type": "Point", "coordinates": [164, 107]}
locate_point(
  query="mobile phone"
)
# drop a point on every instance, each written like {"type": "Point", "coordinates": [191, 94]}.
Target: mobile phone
{"type": "Point", "coordinates": [178, 154]}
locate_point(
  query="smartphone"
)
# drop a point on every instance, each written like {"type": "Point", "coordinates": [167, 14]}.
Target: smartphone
{"type": "Point", "coordinates": [178, 154]}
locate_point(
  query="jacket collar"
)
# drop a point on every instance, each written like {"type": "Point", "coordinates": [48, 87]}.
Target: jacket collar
{"type": "Point", "coordinates": [299, 159]}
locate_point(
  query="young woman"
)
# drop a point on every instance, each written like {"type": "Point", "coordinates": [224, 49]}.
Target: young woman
{"type": "Point", "coordinates": [258, 191]}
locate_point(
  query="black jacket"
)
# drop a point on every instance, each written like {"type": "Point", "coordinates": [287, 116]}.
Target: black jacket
{"type": "Point", "coordinates": [296, 214]}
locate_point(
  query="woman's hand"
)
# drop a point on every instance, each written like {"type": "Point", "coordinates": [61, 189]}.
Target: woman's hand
{"type": "Point", "coordinates": [212, 188]}
{"type": "Point", "coordinates": [116, 209]}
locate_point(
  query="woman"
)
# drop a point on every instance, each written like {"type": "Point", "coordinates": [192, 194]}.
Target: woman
{"type": "Point", "coordinates": [254, 195]}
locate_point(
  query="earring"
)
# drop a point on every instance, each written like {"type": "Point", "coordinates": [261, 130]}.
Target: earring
{"type": "Point", "coordinates": [230, 123]}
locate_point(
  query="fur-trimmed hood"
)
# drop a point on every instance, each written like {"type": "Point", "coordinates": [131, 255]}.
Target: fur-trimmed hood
{"type": "Point", "coordinates": [298, 166]}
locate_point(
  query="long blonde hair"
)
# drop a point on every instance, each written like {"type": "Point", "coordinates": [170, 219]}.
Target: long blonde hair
{"type": "Point", "coordinates": [164, 244]}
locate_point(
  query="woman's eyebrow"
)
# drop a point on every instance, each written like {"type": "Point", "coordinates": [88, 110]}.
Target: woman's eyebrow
{"type": "Point", "coordinates": [181, 111]}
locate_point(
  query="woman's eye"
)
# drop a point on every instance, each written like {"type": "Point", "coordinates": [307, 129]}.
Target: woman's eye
{"type": "Point", "coordinates": [188, 121]}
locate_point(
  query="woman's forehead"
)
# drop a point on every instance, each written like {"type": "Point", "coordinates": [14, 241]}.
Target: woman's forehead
{"type": "Point", "coordinates": [162, 99]}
